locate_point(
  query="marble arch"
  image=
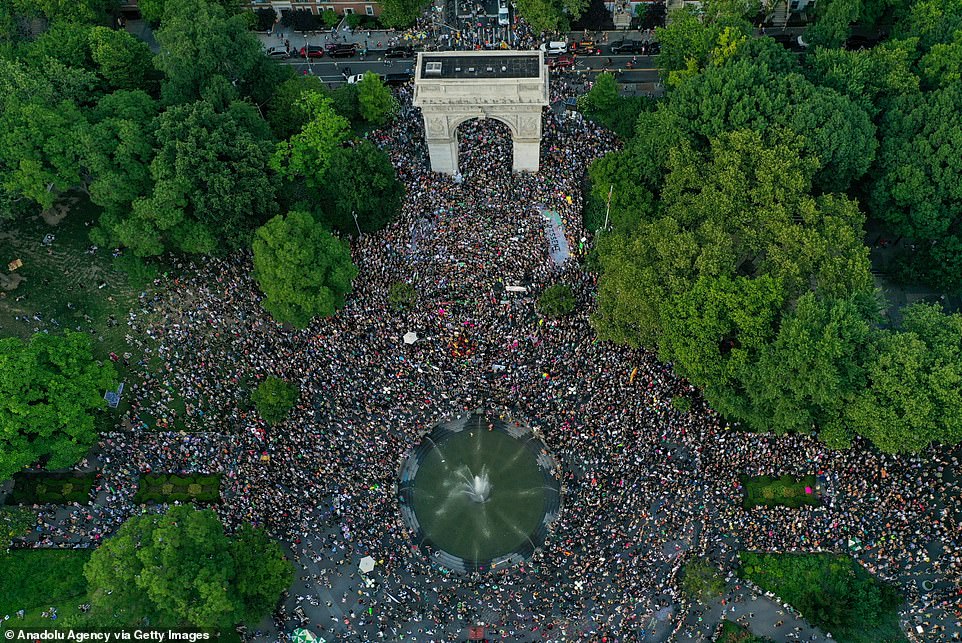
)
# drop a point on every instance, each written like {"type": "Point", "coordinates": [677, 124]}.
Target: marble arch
{"type": "Point", "coordinates": [456, 86]}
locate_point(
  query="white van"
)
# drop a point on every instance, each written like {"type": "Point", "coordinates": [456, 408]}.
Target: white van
{"type": "Point", "coordinates": [555, 47]}
{"type": "Point", "coordinates": [503, 19]}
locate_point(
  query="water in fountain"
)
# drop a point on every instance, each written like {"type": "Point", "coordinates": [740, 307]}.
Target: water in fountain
{"type": "Point", "coordinates": [477, 488]}
{"type": "Point", "coordinates": [479, 494]}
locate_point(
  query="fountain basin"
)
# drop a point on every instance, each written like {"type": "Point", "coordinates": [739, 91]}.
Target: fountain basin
{"type": "Point", "coordinates": [478, 493]}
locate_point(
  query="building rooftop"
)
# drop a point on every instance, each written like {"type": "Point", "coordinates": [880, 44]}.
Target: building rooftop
{"type": "Point", "coordinates": [513, 65]}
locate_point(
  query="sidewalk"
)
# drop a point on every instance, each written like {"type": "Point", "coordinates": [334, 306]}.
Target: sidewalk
{"type": "Point", "coordinates": [702, 621]}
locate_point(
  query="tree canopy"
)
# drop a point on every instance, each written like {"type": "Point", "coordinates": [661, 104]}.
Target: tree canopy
{"type": "Point", "coordinates": [180, 569]}
{"type": "Point", "coordinates": [550, 15]}
{"type": "Point", "coordinates": [361, 181]}
{"type": "Point", "coordinates": [303, 270]}
{"type": "Point", "coordinates": [200, 45]}
{"type": "Point", "coordinates": [274, 398]}
{"type": "Point", "coordinates": [398, 14]}
{"type": "Point", "coordinates": [375, 100]}
{"type": "Point", "coordinates": [732, 250]}
{"type": "Point", "coordinates": [211, 182]}
{"type": "Point", "coordinates": [50, 387]}
{"type": "Point", "coordinates": [308, 153]}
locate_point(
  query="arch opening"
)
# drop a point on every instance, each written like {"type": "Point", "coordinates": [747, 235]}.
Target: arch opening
{"type": "Point", "coordinates": [485, 149]}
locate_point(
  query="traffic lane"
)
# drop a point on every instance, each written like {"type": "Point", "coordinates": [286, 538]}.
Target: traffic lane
{"type": "Point", "coordinates": [333, 70]}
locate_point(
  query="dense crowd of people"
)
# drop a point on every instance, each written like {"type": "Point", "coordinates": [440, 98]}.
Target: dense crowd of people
{"type": "Point", "coordinates": [646, 487]}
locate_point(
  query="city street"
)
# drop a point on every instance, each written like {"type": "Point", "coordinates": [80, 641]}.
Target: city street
{"type": "Point", "coordinates": [332, 70]}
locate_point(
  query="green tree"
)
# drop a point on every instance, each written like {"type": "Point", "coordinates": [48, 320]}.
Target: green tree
{"type": "Point", "coordinates": [123, 61]}
{"type": "Point", "coordinates": [736, 243]}
{"type": "Point", "coordinates": [932, 21]}
{"type": "Point", "coordinates": [402, 296]}
{"type": "Point", "coordinates": [833, 24]}
{"type": "Point", "coordinates": [398, 14]}
{"type": "Point", "coordinates": [701, 581]}
{"type": "Point", "coordinates": [200, 42]}
{"type": "Point", "coordinates": [283, 113]}
{"type": "Point", "coordinates": [376, 102]}
{"type": "Point", "coordinates": [550, 15]}
{"type": "Point", "coordinates": [211, 182]}
{"type": "Point", "coordinates": [66, 42]}
{"type": "Point", "coordinates": [303, 270]}
{"type": "Point", "coordinates": [813, 368]}
{"type": "Point", "coordinates": [690, 42]}
{"type": "Point", "coordinates": [633, 175]}
{"type": "Point", "coordinates": [274, 399]}
{"type": "Point", "coordinates": [263, 572]}
{"type": "Point", "coordinates": [154, 10]}
{"type": "Point", "coordinates": [308, 153]}
{"type": "Point", "coordinates": [70, 11]}
{"type": "Point", "coordinates": [605, 105]}
{"type": "Point", "coordinates": [914, 396]}
{"type": "Point", "coordinates": [870, 77]}
{"type": "Point", "coordinates": [39, 151]}
{"type": "Point", "coordinates": [919, 170]}
{"type": "Point", "coordinates": [50, 387]}
{"type": "Point", "coordinates": [117, 150]}
{"type": "Point", "coordinates": [180, 569]}
{"type": "Point", "coordinates": [834, 592]}
{"type": "Point", "coordinates": [556, 301]}
{"type": "Point", "coordinates": [942, 64]}
{"type": "Point", "coordinates": [744, 95]}
{"type": "Point", "coordinates": [361, 181]}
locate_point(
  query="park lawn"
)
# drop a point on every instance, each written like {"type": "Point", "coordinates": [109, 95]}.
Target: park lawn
{"type": "Point", "coordinates": [37, 579]}
{"type": "Point", "coordinates": [832, 592]}
{"type": "Point", "coordinates": [785, 491]}
{"type": "Point", "coordinates": [63, 277]}
{"type": "Point", "coordinates": [732, 632]}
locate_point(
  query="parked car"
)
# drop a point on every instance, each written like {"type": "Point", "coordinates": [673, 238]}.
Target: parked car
{"type": "Point", "coordinates": [585, 48]}
{"type": "Point", "coordinates": [399, 52]}
{"type": "Point", "coordinates": [503, 18]}
{"type": "Point", "coordinates": [628, 47]}
{"type": "Point", "coordinates": [312, 51]}
{"type": "Point", "coordinates": [341, 50]}
{"type": "Point", "coordinates": [279, 53]}
{"type": "Point", "coordinates": [561, 62]}
{"type": "Point", "coordinates": [354, 79]}
{"type": "Point", "coordinates": [398, 78]}
{"type": "Point", "coordinates": [555, 47]}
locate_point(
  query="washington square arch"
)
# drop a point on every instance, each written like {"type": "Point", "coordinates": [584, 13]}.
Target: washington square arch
{"type": "Point", "coordinates": [456, 86]}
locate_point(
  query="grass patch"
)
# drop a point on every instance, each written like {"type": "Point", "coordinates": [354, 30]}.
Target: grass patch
{"type": "Point", "coordinates": [15, 522]}
{"type": "Point", "coordinates": [732, 632]}
{"type": "Point", "coordinates": [51, 488]}
{"type": "Point", "coordinates": [34, 580]}
{"type": "Point", "coordinates": [66, 286]}
{"type": "Point", "coordinates": [785, 491]}
{"type": "Point", "coordinates": [162, 487]}
{"type": "Point", "coordinates": [831, 592]}
{"type": "Point", "coordinates": [62, 283]}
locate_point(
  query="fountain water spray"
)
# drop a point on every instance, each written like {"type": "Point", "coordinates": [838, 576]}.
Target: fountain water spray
{"type": "Point", "coordinates": [477, 488]}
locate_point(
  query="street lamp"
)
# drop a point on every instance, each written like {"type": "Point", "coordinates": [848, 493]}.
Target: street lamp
{"type": "Point", "coordinates": [354, 214]}
{"type": "Point", "coordinates": [608, 206]}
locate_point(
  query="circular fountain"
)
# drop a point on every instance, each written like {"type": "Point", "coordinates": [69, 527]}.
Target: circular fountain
{"type": "Point", "coordinates": [479, 493]}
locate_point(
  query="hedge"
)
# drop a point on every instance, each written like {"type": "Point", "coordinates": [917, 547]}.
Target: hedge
{"type": "Point", "coordinates": [163, 487]}
{"type": "Point", "coordinates": [785, 491]}
{"type": "Point", "coordinates": [39, 488]}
